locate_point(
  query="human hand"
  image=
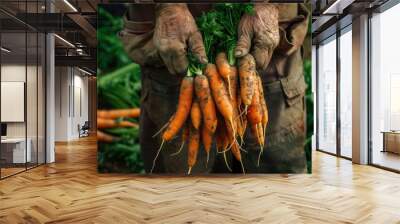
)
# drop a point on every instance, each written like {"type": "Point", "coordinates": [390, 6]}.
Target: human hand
{"type": "Point", "coordinates": [258, 34]}
{"type": "Point", "coordinates": [176, 28]}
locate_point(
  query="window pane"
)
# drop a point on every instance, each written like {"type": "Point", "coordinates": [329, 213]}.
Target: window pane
{"type": "Point", "coordinates": [346, 94]}
{"type": "Point", "coordinates": [385, 88]}
{"type": "Point", "coordinates": [327, 96]}
{"type": "Point", "coordinates": [15, 150]}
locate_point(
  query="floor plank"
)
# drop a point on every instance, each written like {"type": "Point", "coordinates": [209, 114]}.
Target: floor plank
{"type": "Point", "coordinates": [71, 191]}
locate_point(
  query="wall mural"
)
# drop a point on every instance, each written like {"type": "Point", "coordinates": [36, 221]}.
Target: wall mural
{"type": "Point", "coordinates": [195, 89]}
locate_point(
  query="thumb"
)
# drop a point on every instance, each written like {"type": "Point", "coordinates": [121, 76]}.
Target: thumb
{"type": "Point", "coordinates": [197, 47]}
{"type": "Point", "coordinates": [244, 42]}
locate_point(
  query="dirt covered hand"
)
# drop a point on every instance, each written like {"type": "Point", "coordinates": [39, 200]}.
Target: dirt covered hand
{"type": "Point", "coordinates": [176, 28]}
{"type": "Point", "coordinates": [258, 34]}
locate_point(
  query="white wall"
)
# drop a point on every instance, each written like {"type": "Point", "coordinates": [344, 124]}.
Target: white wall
{"type": "Point", "coordinates": [16, 73]}
{"type": "Point", "coordinates": [71, 102]}
{"type": "Point", "coordinates": [33, 127]}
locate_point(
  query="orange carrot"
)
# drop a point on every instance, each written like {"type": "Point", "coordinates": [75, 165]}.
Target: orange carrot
{"type": "Point", "coordinates": [242, 127]}
{"type": "Point", "coordinates": [233, 90]}
{"type": "Point", "coordinates": [224, 140]}
{"type": "Point", "coordinates": [220, 93]}
{"type": "Point", "coordinates": [233, 77]}
{"type": "Point", "coordinates": [182, 110]}
{"type": "Point", "coordinates": [181, 114]}
{"type": "Point", "coordinates": [247, 68]}
{"type": "Point", "coordinates": [103, 137]}
{"type": "Point", "coordinates": [113, 114]}
{"type": "Point", "coordinates": [254, 114]}
{"type": "Point", "coordinates": [206, 137]}
{"type": "Point", "coordinates": [185, 136]}
{"type": "Point", "coordinates": [109, 123]}
{"type": "Point", "coordinates": [236, 153]}
{"type": "Point", "coordinates": [193, 147]}
{"type": "Point", "coordinates": [264, 107]}
{"type": "Point", "coordinates": [224, 69]}
{"type": "Point", "coordinates": [195, 114]}
{"type": "Point", "coordinates": [258, 130]}
{"type": "Point", "coordinates": [206, 101]}
{"type": "Point", "coordinates": [242, 120]}
{"type": "Point", "coordinates": [256, 133]}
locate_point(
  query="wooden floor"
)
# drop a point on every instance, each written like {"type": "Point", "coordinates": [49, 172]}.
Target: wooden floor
{"type": "Point", "coordinates": [71, 191]}
{"type": "Point", "coordinates": [387, 159]}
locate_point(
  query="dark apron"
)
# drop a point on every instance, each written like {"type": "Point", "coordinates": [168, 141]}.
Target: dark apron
{"type": "Point", "coordinates": [283, 151]}
{"type": "Point", "coordinates": [284, 89]}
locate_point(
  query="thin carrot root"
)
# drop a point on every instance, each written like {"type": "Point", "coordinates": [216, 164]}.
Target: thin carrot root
{"type": "Point", "coordinates": [242, 149]}
{"type": "Point", "coordinates": [261, 142]}
{"type": "Point", "coordinates": [233, 128]}
{"type": "Point", "coordinates": [242, 113]}
{"type": "Point", "coordinates": [179, 151]}
{"type": "Point", "coordinates": [262, 135]}
{"type": "Point", "coordinates": [259, 157]}
{"type": "Point", "coordinates": [241, 141]}
{"type": "Point", "coordinates": [208, 158]}
{"type": "Point", "coordinates": [231, 145]}
{"type": "Point", "coordinates": [189, 170]}
{"type": "Point", "coordinates": [161, 129]}
{"type": "Point", "coordinates": [155, 159]}
{"type": "Point", "coordinates": [241, 163]}
{"type": "Point", "coordinates": [227, 148]}
{"type": "Point", "coordinates": [226, 163]}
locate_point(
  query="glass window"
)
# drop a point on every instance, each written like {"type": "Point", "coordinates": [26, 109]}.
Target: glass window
{"type": "Point", "coordinates": [15, 149]}
{"type": "Point", "coordinates": [385, 89]}
{"type": "Point", "coordinates": [22, 91]}
{"type": "Point", "coordinates": [346, 93]}
{"type": "Point", "coordinates": [327, 96]}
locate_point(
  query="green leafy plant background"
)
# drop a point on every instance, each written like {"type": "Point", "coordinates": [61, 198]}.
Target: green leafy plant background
{"type": "Point", "coordinates": [118, 87]}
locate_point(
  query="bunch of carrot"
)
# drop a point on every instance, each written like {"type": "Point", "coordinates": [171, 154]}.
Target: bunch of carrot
{"type": "Point", "coordinates": [114, 119]}
{"type": "Point", "coordinates": [219, 99]}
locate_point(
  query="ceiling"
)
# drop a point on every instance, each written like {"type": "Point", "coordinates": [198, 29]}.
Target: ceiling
{"type": "Point", "coordinates": [328, 16]}
{"type": "Point", "coordinates": [72, 20]}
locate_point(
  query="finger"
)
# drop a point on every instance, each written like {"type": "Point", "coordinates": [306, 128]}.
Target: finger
{"type": "Point", "coordinates": [245, 34]}
{"type": "Point", "coordinates": [167, 59]}
{"type": "Point", "coordinates": [262, 53]}
{"type": "Point", "coordinates": [262, 50]}
{"type": "Point", "coordinates": [197, 47]}
{"type": "Point", "coordinates": [173, 54]}
{"type": "Point", "coordinates": [180, 61]}
{"type": "Point", "coordinates": [163, 46]}
{"type": "Point", "coordinates": [262, 57]}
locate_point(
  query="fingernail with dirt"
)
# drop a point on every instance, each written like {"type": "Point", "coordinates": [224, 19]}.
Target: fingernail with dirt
{"type": "Point", "coordinates": [238, 53]}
